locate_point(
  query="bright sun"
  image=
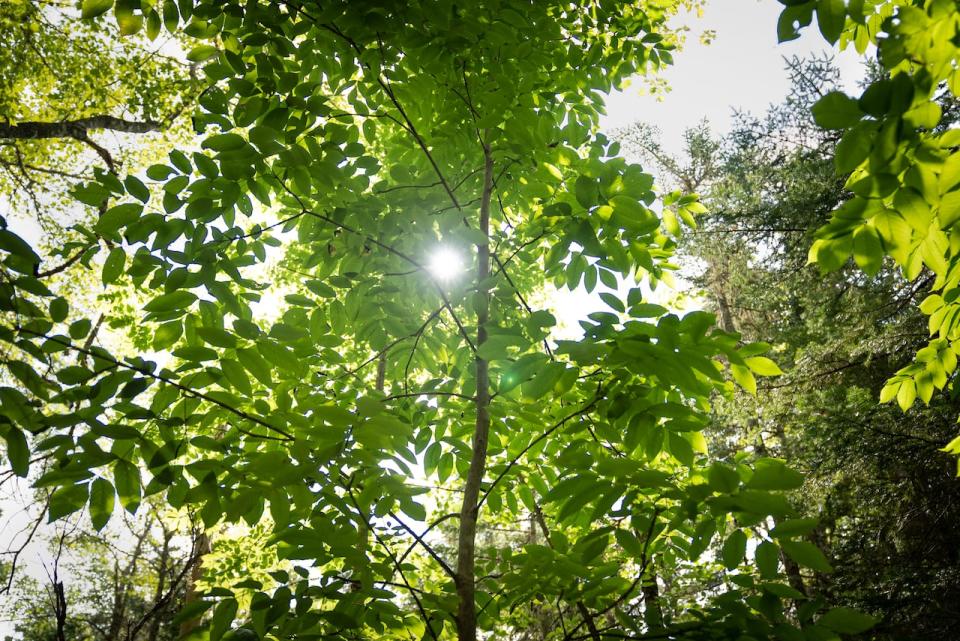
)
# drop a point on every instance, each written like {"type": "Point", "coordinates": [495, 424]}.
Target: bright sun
{"type": "Point", "coordinates": [445, 264]}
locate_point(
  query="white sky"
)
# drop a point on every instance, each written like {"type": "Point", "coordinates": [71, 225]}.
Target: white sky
{"type": "Point", "coordinates": [741, 69]}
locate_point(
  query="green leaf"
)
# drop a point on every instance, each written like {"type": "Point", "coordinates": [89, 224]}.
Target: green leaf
{"type": "Point", "coordinates": [173, 301]}
{"type": "Point", "coordinates": [907, 394]}
{"type": "Point", "coordinates": [128, 21]}
{"type": "Point", "coordinates": [17, 451]}
{"type": "Point", "coordinates": [496, 347]}
{"type": "Point", "coordinates": [66, 500]}
{"type": "Point", "coordinates": [723, 478]}
{"type": "Point", "coordinates": [153, 24]}
{"type": "Point", "coordinates": [949, 212]}
{"type": "Point", "coordinates": [171, 16]}
{"type": "Point", "coordinates": [101, 502]}
{"type": "Point", "coordinates": [836, 110]}
{"type": "Point", "coordinates": [180, 161]}
{"type": "Point", "coordinates": [255, 364]}
{"type": "Point", "coordinates": [647, 310]}
{"type": "Point", "coordinates": [794, 527]}
{"type": "Point", "coordinates": [763, 366]}
{"type": "Point", "coordinates": [159, 172]}
{"type": "Point", "coordinates": [17, 246]}
{"type": "Point", "coordinates": [744, 377]}
{"type": "Point", "coordinates": [217, 337]}
{"type": "Point", "coordinates": [854, 148]}
{"type": "Point", "coordinates": [767, 557]}
{"type": "Point", "coordinates": [847, 621]}
{"type": "Point", "coordinates": [118, 217]}
{"type": "Point", "coordinates": [79, 329]}
{"type": "Point", "coordinates": [113, 265]}
{"type": "Point", "coordinates": [831, 16]}
{"type": "Point", "coordinates": [59, 309]}
{"type": "Point", "coordinates": [867, 249]}
{"type": "Point", "coordinates": [136, 188]}
{"type": "Point", "coordinates": [126, 478]}
{"type": "Point", "coordinates": [224, 142]}
{"type": "Point", "coordinates": [74, 375]}
{"type": "Point", "coordinates": [236, 375]}
{"type": "Point", "coordinates": [201, 53]}
{"type": "Point", "coordinates": [543, 381]}
{"type": "Point", "coordinates": [191, 611]}
{"type": "Point", "coordinates": [806, 554]}
{"type": "Point", "coordinates": [93, 8]}
{"type": "Point", "coordinates": [167, 334]}
{"type": "Point", "coordinates": [734, 549]}
{"type": "Point", "coordinates": [613, 301]}
{"type": "Point", "coordinates": [773, 474]}
{"type": "Point", "coordinates": [586, 191]}
{"type": "Point", "coordinates": [791, 18]}
{"type": "Point", "coordinates": [223, 616]}
{"type": "Point", "coordinates": [629, 542]}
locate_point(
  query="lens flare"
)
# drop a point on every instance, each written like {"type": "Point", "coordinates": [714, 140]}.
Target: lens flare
{"type": "Point", "coordinates": [445, 264]}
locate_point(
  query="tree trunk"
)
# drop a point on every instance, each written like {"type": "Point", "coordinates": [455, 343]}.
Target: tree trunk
{"type": "Point", "coordinates": [465, 580]}
{"type": "Point", "coordinates": [201, 547]}
{"type": "Point", "coordinates": [726, 318]}
{"type": "Point", "coordinates": [154, 629]}
{"type": "Point", "coordinates": [652, 611]}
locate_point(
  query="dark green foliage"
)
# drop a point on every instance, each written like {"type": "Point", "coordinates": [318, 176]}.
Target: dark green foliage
{"type": "Point", "coordinates": [881, 492]}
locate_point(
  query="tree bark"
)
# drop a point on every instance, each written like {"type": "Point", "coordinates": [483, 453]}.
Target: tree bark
{"type": "Point", "coordinates": [201, 548]}
{"type": "Point", "coordinates": [465, 581]}
{"type": "Point", "coordinates": [158, 597]}
{"type": "Point", "coordinates": [726, 318]}
{"type": "Point", "coordinates": [652, 612]}
{"type": "Point", "coordinates": [74, 128]}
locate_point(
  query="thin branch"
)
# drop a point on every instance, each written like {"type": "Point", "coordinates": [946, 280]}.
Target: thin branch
{"type": "Point", "coordinates": [428, 393]}
{"type": "Point", "coordinates": [11, 570]}
{"type": "Point", "coordinates": [445, 517]}
{"type": "Point", "coordinates": [411, 128]}
{"type": "Point", "coordinates": [164, 379]}
{"type": "Point", "coordinates": [64, 265]}
{"type": "Point", "coordinates": [162, 602]}
{"type": "Point", "coordinates": [390, 345]}
{"type": "Point", "coordinates": [396, 564]}
{"type": "Point", "coordinates": [43, 170]}
{"type": "Point", "coordinates": [583, 410]}
{"type": "Point", "coordinates": [436, 557]}
{"type": "Point", "coordinates": [74, 128]}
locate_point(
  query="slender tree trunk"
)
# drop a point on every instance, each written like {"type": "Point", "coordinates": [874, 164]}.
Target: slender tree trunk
{"type": "Point", "coordinates": [652, 611]}
{"type": "Point", "coordinates": [726, 318]}
{"type": "Point", "coordinates": [466, 588]}
{"type": "Point", "coordinates": [581, 606]}
{"type": "Point", "coordinates": [123, 583]}
{"type": "Point", "coordinates": [792, 570]}
{"type": "Point", "coordinates": [60, 609]}
{"type": "Point", "coordinates": [154, 629]}
{"type": "Point", "coordinates": [201, 547]}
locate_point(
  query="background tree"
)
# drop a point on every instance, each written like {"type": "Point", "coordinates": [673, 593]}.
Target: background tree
{"type": "Point", "coordinates": [874, 477]}
{"type": "Point", "coordinates": [901, 158]}
{"type": "Point", "coordinates": [73, 96]}
{"type": "Point", "coordinates": [127, 582]}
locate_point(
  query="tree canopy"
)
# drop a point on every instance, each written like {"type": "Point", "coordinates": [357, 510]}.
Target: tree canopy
{"type": "Point", "coordinates": [326, 327]}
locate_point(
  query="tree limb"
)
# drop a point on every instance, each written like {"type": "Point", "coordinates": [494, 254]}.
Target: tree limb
{"type": "Point", "coordinates": [33, 130]}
